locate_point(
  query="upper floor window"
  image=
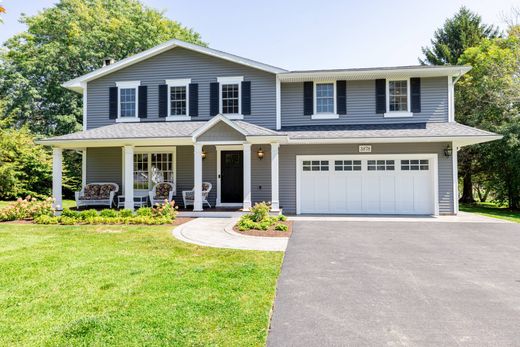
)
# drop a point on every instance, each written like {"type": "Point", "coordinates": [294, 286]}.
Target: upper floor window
{"type": "Point", "coordinates": [398, 98]}
{"type": "Point", "coordinates": [128, 99]}
{"type": "Point", "coordinates": [178, 99]}
{"type": "Point", "coordinates": [230, 94]}
{"type": "Point", "coordinates": [324, 97]}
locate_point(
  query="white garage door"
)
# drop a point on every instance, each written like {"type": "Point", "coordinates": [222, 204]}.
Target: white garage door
{"type": "Point", "coordinates": [367, 184]}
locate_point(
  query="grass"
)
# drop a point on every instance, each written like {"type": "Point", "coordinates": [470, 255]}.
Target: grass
{"type": "Point", "coordinates": [66, 203]}
{"type": "Point", "coordinates": [492, 210]}
{"type": "Point", "coordinates": [131, 286]}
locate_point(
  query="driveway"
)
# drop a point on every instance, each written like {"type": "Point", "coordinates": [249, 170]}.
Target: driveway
{"type": "Point", "coordinates": [399, 283]}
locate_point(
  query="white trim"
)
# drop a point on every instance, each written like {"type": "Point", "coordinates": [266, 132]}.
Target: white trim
{"type": "Point", "coordinates": [278, 103]}
{"type": "Point", "coordinates": [212, 122]}
{"type": "Point", "coordinates": [85, 105]}
{"type": "Point", "coordinates": [324, 115]}
{"type": "Point", "coordinates": [462, 140]}
{"type": "Point", "coordinates": [128, 85]}
{"type": "Point", "coordinates": [451, 99]}
{"type": "Point", "coordinates": [246, 166]}
{"type": "Point", "coordinates": [83, 167]}
{"type": "Point", "coordinates": [230, 80]}
{"type": "Point", "coordinates": [184, 82]}
{"type": "Point", "coordinates": [197, 177]}
{"type": "Point", "coordinates": [432, 156]}
{"type": "Point", "coordinates": [57, 175]}
{"type": "Point", "coordinates": [392, 114]}
{"type": "Point", "coordinates": [275, 177]}
{"type": "Point", "coordinates": [74, 84]}
{"type": "Point", "coordinates": [455, 177]}
{"type": "Point", "coordinates": [129, 176]}
{"type": "Point", "coordinates": [219, 149]}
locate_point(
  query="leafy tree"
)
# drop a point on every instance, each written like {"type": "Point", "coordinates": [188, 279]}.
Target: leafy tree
{"type": "Point", "coordinates": [69, 40]}
{"type": "Point", "coordinates": [457, 34]}
{"type": "Point", "coordinates": [488, 98]}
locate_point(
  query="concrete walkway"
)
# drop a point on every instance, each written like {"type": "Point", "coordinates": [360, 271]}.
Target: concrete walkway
{"type": "Point", "coordinates": [218, 233]}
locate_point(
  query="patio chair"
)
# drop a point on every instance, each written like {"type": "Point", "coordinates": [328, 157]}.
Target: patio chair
{"type": "Point", "coordinates": [189, 195]}
{"type": "Point", "coordinates": [162, 191]}
{"type": "Point", "coordinates": [94, 194]}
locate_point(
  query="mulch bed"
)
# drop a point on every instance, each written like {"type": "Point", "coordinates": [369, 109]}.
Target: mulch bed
{"type": "Point", "coordinates": [178, 221]}
{"type": "Point", "coordinates": [269, 233]}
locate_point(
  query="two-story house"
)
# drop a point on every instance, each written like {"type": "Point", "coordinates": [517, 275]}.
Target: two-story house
{"type": "Point", "coordinates": [370, 140]}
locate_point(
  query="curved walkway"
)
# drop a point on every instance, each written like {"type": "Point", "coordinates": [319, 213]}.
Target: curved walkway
{"type": "Point", "coordinates": [218, 233]}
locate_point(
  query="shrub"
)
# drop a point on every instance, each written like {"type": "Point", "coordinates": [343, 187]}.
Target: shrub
{"type": "Point", "coordinates": [46, 220]}
{"type": "Point", "coordinates": [87, 214]}
{"type": "Point", "coordinates": [260, 211]}
{"type": "Point", "coordinates": [67, 221]}
{"type": "Point", "coordinates": [281, 227]}
{"type": "Point", "coordinates": [282, 218]}
{"type": "Point", "coordinates": [144, 212]}
{"type": "Point", "coordinates": [28, 208]}
{"type": "Point", "coordinates": [108, 213]}
{"type": "Point", "coordinates": [126, 213]}
{"type": "Point", "coordinates": [167, 209]}
{"type": "Point", "coordinates": [70, 213]}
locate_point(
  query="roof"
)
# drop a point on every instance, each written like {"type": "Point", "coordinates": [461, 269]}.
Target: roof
{"type": "Point", "coordinates": [76, 84]}
{"type": "Point", "coordinates": [146, 130]}
{"type": "Point", "coordinates": [374, 72]}
{"type": "Point", "coordinates": [385, 131]}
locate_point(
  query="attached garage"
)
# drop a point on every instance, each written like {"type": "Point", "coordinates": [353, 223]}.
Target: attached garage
{"type": "Point", "coordinates": [367, 184]}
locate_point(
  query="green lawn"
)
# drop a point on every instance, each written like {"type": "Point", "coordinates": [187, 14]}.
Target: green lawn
{"type": "Point", "coordinates": [491, 210]}
{"type": "Point", "coordinates": [66, 203]}
{"type": "Point", "coordinates": [131, 286]}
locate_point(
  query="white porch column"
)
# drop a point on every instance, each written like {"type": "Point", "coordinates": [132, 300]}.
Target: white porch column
{"type": "Point", "coordinates": [275, 202]}
{"type": "Point", "coordinates": [247, 177]}
{"type": "Point", "coordinates": [197, 177]}
{"type": "Point", "coordinates": [57, 168]}
{"type": "Point", "coordinates": [129, 177]}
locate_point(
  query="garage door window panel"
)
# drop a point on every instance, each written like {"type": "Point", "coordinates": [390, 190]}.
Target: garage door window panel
{"type": "Point", "coordinates": [347, 165]}
{"type": "Point", "coordinates": [381, 165]}
{"type": "Point", "coordinates": [415, 165]}
{"type": "Point", "coordinates": [315, 165]}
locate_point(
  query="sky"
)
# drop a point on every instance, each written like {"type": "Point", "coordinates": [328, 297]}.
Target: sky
{"type": "Point", "coordinates": [305, 34]}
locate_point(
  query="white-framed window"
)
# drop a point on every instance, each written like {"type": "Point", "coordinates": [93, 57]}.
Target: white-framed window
{"type": "Point", "coordinates": [325, 100]}
{"type": "Point", "coordinates": [398, 98]}
{"type": "Point", "coordinates": [380, 165]}
{"type": "Point", "coordinates": [152, 167]}
{"type": "Point", "coordinates": [347, 165]}
{"type": "Point", "coordinates": [415, 165]}
{"type": "Point", "coordinates": [315, 165]}
{"type": "Point", "coordinates": [127, 101]}
{"type": "Point", "coordinates": [230, 93]}
{"type": "Point", "coordinates": [178, 99]}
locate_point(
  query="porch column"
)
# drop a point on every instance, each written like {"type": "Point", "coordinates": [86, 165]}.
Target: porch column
{"type": "Point", "coordinates": [247, 177]}
{"type": "Point", "coordinates": [197, 177]}
{"type": "Point", "coordinates": [57, 168]}
{"type": "Point", "coordinates": [129, 177]}
{"type": "Point", "coordinates": [275, 202]}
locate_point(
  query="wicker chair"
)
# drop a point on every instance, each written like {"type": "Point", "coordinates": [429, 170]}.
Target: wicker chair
{"type": "Point", "coordinates": [160, 192]}
{"type": "Point", "coordinates": [189, 195]}
{"type": "Point", "coordinates": [95, 194]}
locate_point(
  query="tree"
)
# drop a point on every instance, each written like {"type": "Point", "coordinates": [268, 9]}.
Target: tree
{"type": "Point", "coordinates": [458, 33]}
{"type": "Point", "coordinates": [69, 40]}
{"type": "Point", "coordinates": [488, 97]}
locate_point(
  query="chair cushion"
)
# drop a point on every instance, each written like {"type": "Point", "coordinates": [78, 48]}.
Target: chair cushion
{"type": "Point", "coordinates": [105, 189]}
{"type": "Point", "coordinates": [91, 192]}
{"type": "Point", "coordinates": [190, 195]}
{"type": "Point", "coordinates": [162, 191]}
{"type": "Point", "coordinates": [205, 186]}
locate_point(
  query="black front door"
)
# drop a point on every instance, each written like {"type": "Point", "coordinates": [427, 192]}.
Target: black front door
{"type": "Point", "coordinates": [231, 177]}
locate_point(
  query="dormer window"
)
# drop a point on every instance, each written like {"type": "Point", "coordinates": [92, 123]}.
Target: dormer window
{"type": "Point", "coordinates": [178, 99]}
{"type": "Point", "coordinates": [398, 98]}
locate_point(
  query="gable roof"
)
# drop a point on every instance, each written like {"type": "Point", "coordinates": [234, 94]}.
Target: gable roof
{"type": "Point", "coordinates": [76, 84]}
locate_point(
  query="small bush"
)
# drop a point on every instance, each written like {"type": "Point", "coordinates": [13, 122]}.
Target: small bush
{"type": "Point", "coordinates": [145, 212]}
{"type": "Point", "coordinates": [167, 209]}
{"type": "Point", "coordinates": [87, 214]}
{"type": "Point", "coordinates": [69, 213]}
{"type": "Point", "coordinates": [126, 213]}
{"type": "Point", "coordinates": [108, 213]}
{"type": "Point", "coordinates": [67, 221]}
{"type": "Point", "coordinates": [260, 211]}
{"type": "Point", "coordinates": [282, 218]}
{"type": "Point", "coordinates": [28, 208]}
{"type": "Point", "coordinates": [281, 227]}
{"type": "Point", "coordinates": [46, 220]}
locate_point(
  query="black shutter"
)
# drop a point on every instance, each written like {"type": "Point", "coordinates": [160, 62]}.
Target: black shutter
{"type": "Point", "coordinates": [213, 99]}
{"type": "Point", "coordinates": [415, 90]}
{"type": "Point", "coordinates": [163, 100]}
{"type": "Point", "coordinates": [246, 97]}
{"type": "Point", "coordinates": [308, 98]}
{"type": "Point", "coordinates": [112, 102]}
{"type": "Point", "coordinates": [143, 102]}
{"type": "Point", "coordinates": [341, 99]}
{"type": "Point", "coordinates": [194, 99]}
{"type": "Point", "coordinates": [380, 96]}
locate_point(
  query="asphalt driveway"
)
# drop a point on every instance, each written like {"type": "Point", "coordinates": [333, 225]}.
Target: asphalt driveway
{"type": "Point", "coordinates": [399, 283]}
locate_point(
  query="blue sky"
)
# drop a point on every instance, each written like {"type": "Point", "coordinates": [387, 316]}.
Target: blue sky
{"type": "Point", "coordinates": [306, 34]}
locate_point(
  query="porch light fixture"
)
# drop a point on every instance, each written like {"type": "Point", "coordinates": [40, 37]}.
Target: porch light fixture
{"type": "Point", "coordinates": [448, 151]}
{"type": "Point", "coordinates": [260, 153]}
{"type": "Point", "coordinates": [203, 154]}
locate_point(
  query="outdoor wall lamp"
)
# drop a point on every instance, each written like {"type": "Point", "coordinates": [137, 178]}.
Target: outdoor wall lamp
{"type": "Point", "coordinates": [448, 151]}
{"type": "Point", "coordinates": [203, 154]}
{"type": "Point", "coordinates": [260, 153]}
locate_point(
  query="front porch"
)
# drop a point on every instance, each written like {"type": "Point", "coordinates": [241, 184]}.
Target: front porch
{"type": "Point", "coordinates": [238, 170]}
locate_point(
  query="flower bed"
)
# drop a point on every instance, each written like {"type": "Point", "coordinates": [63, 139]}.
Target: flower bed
{"type": "Point", "coordinates": [41, 212]}
{"type": "Point", "coordinates": [259, 223]}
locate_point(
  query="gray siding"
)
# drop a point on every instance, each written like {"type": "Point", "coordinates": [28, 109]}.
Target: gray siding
{"type": "Point", "coordinates": [361, 106]}
{"type": "Point", "coordinates": [221, 132]}
{"type": "Point", "coordinates": [105, 165]}
{"type": "Point", "coordinates": [260, 174]}
{"type": "Point", "coordinates": [288, 155]}
{"type": "Point", "coordinates": [182, 63]}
